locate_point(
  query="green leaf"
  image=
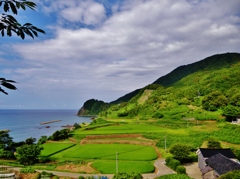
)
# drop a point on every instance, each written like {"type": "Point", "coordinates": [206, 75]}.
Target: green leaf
{"type": "Point", "coordinates": [9, 86]}
{"type": "Point", "coordinates": [6, 7]}
{"type": "Point", "coordinates": [13, 8]}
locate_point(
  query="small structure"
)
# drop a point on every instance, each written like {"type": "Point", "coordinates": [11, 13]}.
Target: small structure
{"type": "Point", "coordinates": [221, 165]}
{"type": "Point", "coordinates": [5, 172]}
{"type": "Point", "coordinates": [205, 154]}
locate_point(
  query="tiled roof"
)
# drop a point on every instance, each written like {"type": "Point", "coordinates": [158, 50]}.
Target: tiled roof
{"type": "Point", "coordinates": [211, 152]}
{"type": "Point", "coordinates": [222, 164]}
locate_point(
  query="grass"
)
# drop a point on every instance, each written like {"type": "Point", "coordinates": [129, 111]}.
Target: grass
{"type": "Point", "coordinates": [108, 152]}
{"type": "Point", "coordinates": [53, 148]}
{"type": "Point", "coordinates": [107, 167]}
{"type": "Point", "coordinates": [126, 129]}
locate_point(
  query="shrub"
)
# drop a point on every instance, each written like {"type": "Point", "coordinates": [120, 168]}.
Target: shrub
{"type": "Point", "coordinates": [181, 169]}
{"type": "Point", "coordinates": [80, 177]}
{"type": "Point", "coordinates": [27, 170]}
{"type": "Point", "coordinates": [181, 152]}
{"type": "Point", "coordinates": [158, 115]}
{"type": "Point", "coordinates": [128, 175]}
{"type": "Point", "coordinates": [172, 163]}
{"type": "Point", "coordinates": [174, 176]}
{"type": "Point", "coordinates": [231, 175]}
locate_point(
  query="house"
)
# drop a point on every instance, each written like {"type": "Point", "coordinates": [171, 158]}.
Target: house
{"type": "Point", "coordinates": [221, 165]}
{"type": "Point", "coordinates": [204, 154]}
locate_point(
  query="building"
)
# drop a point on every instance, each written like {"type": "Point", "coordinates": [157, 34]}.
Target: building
{"type": "Point", "coordinates": [215, 162]}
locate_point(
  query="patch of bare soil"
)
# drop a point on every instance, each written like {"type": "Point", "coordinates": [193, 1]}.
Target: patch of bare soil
{"type": "Point", "coordinates": [76, 168]}
{"type": "Point", "coordinates": [193, 171]}
{"type": "Point", "coordinates": [135, 139]}
{"type": "Point", "coordinates": [27, 175]}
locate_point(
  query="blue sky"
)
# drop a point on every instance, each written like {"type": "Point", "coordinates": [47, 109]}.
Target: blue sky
{"type": "Point", "coordinates": [104, 49]}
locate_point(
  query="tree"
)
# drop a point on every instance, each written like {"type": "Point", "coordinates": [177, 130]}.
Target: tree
{"type": "Point", "coordinates": [60, 135]}
{"type": "Point", "coordinates": [7, 84]}
{"type": "Point", "coordinates": [181, 152]}
{"type": "Point", "coordinates": [30, 140]}
{"type": "Point", "coordinates": [213, 101]}
{"type": "Point", "coordinates": [43, 139]}
{"type": "Point", "coordinates": [10, 25]}
{"type": "Point", "coordinates": [213, 144]}
{"type": "Point", "coordinates": [5, 140]}
{"type": "Point", "coordinates": [28, 154]}
{"type": "Point", "coordinates": [230, 112]}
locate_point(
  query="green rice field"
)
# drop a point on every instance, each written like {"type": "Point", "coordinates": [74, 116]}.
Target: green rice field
{"type": "Point", "coordinates": [52, 148]}
{"type": "Point", "coordinates": [108, 152]}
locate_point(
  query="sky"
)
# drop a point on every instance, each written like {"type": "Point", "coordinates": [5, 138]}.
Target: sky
{"type": "Point", "coordinates": [104, 49]}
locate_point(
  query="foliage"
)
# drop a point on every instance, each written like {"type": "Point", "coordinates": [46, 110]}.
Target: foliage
{"type": "Point", "coordinates": [76, 126]}
{"type": "Point", "coordinates": [172, 163]}
{"type": "Point", "coordinates": [127, 176]}
{"type": "Point", "coordinates": [213, 144]}
{"type": "Point", "coordinates": [42, 140]}
{"type": "Point", "coordinates": [27, 170]}
{"type": "Point", "coordinates": [231, 112]}
{"type": "Point", "coordinates": [181, 152]}
{"type": "Point", "coordinates": [46, 174]}
{"type": "Point", "coordinates": [181, 169]}
{"type": "Point", "coordinates": [174, 176]}
{"type": "Point", "coordinates": [199, 90]}
{"type": "Point", "coordinates": [231, 175]}
{"type": "Point", "coordinates": [30, 141]}
{"type": "Point", "coordinates": [158, 115]}
{"type": "Point", "coordinates": [6, 84]}
{"type": "Point", "coordinates": [6, 145]}
{"type": "Point", "coordinates": [28, 154]}
{"type": "Point", "coordinates": [93, 107]}
{"type": "Point", "coordinates": [60, 135]}
{"type": "Point", "coordinates": [5, 140]}
{"type": "Point", "coordinates": [235, 99]}
{"type": "Point", "coordinates": [9, 24]}
{"type": "Point", "coordinates": [213, 101]}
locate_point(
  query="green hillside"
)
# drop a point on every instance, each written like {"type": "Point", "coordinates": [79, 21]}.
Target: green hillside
{"type": "Point", "coordinates": [208, 89]}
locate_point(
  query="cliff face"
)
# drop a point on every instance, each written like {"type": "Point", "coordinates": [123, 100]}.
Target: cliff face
{"type": "Point", "coordinates": [81, 112]}
{"type": "Point", "coordinates": [92, 107]}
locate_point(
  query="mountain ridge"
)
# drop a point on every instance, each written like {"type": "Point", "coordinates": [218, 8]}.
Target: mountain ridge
{"type": "Point", "coordinates": [175, 81]}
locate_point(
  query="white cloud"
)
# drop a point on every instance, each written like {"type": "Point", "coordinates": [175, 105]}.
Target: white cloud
{"type": "Point", "coordinates": [141, 41]}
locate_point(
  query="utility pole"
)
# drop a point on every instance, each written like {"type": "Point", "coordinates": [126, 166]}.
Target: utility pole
{"type": "Point", "coordinates": [116, 162]}
{"type": "Point", "coordinates": [165, 144]}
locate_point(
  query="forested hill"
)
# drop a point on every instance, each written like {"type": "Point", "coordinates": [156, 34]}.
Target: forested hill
{"type": "Point", "coordinates": [211, 63]}
{"type": "Point", "coordinates": [218, 74]}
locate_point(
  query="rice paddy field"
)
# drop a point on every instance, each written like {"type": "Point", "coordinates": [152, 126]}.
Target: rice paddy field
{"type": "Point", "coordinates": [135, 145]}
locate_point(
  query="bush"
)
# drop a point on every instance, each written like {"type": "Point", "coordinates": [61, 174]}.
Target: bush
{"type": "Point", "coordinates": [158, 115]}
{"type": "Point", "coordinates": [27, 170]}
{"type": "Point", "coordinates": [172, 163]}
{"type": "Point", "coordinates": [174, 176]}
{"type": "Point", "coordinates": [231, 175]}
{"type": "Point", "coordinates": [80, 177]}
{"type": "Point", "coordinates": [181, 152]}
{"type": "Point", "coordinates": [181, 169]}
{"type": "Point", "coordinates": [127, 175]}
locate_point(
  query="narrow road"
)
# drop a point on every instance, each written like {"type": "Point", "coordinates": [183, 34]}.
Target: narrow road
{"type": "Point", "coordinates": [161, 169]}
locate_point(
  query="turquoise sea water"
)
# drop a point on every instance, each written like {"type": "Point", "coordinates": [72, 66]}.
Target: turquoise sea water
{"type": "Point", "coordinates": [27, 123]}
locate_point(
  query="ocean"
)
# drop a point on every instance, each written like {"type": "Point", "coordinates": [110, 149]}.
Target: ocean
{"type": "Point", "coordinates": [27, 123]}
